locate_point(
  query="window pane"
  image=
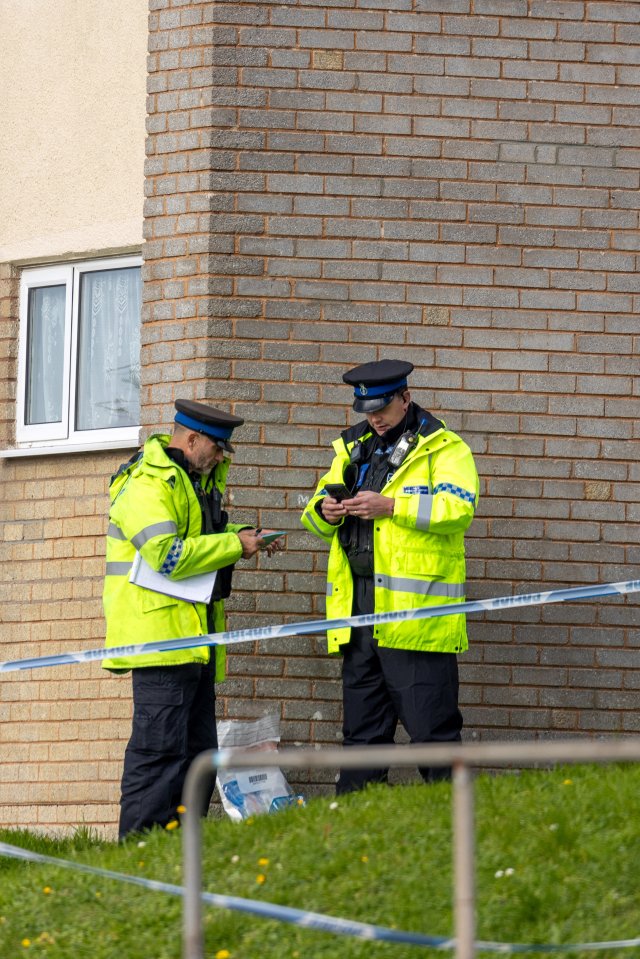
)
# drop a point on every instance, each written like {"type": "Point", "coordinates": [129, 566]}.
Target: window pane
{"type": "Point", "coordinates": [108, 378]}
{"type": "Point", "coordinates": [45, 355]}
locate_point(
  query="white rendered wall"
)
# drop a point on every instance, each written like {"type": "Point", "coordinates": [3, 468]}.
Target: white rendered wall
{"type": "Point", "coordinates": [72, 122]}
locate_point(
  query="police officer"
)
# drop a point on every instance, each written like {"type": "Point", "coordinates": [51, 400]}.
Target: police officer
{"type": "Point", "coordinates": [396, 537]}
{"type": "Point", "coordinates": [166, 504]}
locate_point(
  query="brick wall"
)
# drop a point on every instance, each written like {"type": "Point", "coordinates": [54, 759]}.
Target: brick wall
{"type": "Point", "coordinates": [62, 732]}
{"type": "Point", "coordinates": [453, 183]}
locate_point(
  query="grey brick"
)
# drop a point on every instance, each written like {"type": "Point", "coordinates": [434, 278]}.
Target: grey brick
{"type": "Point", "coordinates": [612, 53]}
{"type": "Point", "coordinates": [353, 270]}
{"type": "Point", "coordinates": [382, 166]}
{"type": "Point", "coordinates": [353, 228]}
{"type": "Point", "coordinates": [328, 80]}
{"type": "Point", "coordinates": [384, 83]}
{"type": "Point", "coordinates": [320, 290]}
{"type": "Point", "coordinates": [297, 17]}
{"type": "Point", "coordinates": [503, 49]}
{"type": "Point", "coordinates": [384, 209]}
{"type": "Point", "coordinates": [291, 268]}
{"type": "Point", "coordinates": [383, 124]}
{"type": "Point", "coordinates": [407, 272]}
{"type": "Point", "coordinates": [280, 162]}
{"type": "Point", "coordinates": [442, 86]}
{"type": "Point", "coordinates": [354, 144]}
{"type": "Point", "coordinates": [324, 39]}
{"type": "Point", "coordinates": [296, 226]}
{"type": "Point", "coordinates": [325, 121]}
{"type": "Point", "coordinates": [440, 127]}
{"type": "Point", "coordinates": [445, 45]}
{"type": "Point", "coordinates": [355, 186]}
{"type": "Point", "coordinates": [296, 142]}
{"type": "Point", "coordinates": [298, 59]}
{"type": "Point", "coordinates": [455, 233]}
{"type": "Point", "coordinates": [411, 146]}
{"type": "Point", "coordinates": [492, 255]}
{"type": "Point", "coordinates": [436, 252]}
{"type": "Point", "coordinates": [324, 249]}
{"type": "Point", "coordinates": [434, 295]}
{"type": "Point", "coordinates": [355, 102]}
{"type": "Point", "coordinates": [384, 40]}
{"type": "Point", "coordinates": [321, 206]}
{"type": "Point", "coordinates": [327, 164]}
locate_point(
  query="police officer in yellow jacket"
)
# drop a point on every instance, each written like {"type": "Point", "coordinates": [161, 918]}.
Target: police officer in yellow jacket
{"type": "Point", "coordinates": [166, 504]}
{"type": "Point", "coordinates": [396, 539]}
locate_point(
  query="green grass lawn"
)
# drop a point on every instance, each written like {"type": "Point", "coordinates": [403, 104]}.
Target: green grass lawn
{"type": "Point", "coordinates": [557, 861]}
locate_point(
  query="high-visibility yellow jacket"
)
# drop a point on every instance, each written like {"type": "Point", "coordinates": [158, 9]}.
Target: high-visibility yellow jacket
{"type": "Point", "coordinates": [418, 553]}
{"type": "Point", "coordinates": [155, 511]}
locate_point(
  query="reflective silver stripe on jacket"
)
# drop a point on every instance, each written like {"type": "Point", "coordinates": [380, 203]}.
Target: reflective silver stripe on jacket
{"type": "Point", "coordinates": [425, 503]}
{"type": "Point", "coordinates": [403, 584]}
{"type": "Point", "coordinates": [115, 532]}
{"type": "Point", "coordinates": [156, 529]}
{"type": "Point", "coordinates": [309, 515]}
{"type": "Point", "coordinates": [118, 569]}
{"type": "Point", "coordinates": [329, 589]}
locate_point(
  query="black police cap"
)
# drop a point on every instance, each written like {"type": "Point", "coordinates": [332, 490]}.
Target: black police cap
{"type": "Point", "coordinates": [376, 383]}
{"type": "Point", "coordinates": [214, 423]}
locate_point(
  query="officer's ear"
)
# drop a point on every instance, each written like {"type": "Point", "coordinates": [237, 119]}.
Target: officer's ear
{"type": "Point", "coordinates": [405, 396]}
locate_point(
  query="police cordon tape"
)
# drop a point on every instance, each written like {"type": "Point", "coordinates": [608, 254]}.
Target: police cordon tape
{"type": "Point", "coordinates": [308, 919]}
{"type": "Point", "coordinates": [321, 625]}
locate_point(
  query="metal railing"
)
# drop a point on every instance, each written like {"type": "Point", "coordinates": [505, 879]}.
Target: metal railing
{"type": "Point", "coordinates": [462, 758]}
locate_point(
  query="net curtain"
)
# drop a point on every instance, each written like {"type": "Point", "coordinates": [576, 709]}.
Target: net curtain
{"type": "Point", "coordinates": [108, 379]}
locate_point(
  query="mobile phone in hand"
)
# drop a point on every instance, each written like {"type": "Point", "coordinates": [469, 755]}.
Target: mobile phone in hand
{"type": "Point", "coordinates": [338, 491]}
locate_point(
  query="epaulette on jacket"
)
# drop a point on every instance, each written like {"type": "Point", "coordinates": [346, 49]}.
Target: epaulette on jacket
{"type": "Point", "coordinates": [125, 466]}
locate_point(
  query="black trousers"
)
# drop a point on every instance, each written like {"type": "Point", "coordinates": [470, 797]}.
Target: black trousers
{"type": "Point", "coordinates": [173, 721]}
{"type": "Point", "coordinates": [381, 686]}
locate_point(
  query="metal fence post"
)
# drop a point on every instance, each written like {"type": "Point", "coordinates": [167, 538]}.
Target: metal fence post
{"type": "Point", "coordinates": [197, 777]}
{"type": "Point", "coordinates": [464, 859]}
{"type": "Point", "coordinates": [460, 756]}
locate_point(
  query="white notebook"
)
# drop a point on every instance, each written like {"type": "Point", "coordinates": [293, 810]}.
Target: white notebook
{"type": "Point", "coordinates": [194, 589]}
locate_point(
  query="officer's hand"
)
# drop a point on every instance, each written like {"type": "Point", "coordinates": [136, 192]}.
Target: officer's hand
{"type": "Point", "coordinates": [250, 540]}
{"type": "Point", "coordinates": [369, 505]}
{"type": "Point", "coordinates": [332, 510]}
{"type": "Point", "coordinates": [274, 546]}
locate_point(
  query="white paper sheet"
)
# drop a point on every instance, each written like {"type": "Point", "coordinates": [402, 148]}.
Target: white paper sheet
{"type": "Point", "coordinates": [194, 589]}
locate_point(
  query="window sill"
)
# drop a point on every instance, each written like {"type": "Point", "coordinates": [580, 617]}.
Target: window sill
{"type": "Point", "coordinates": [55, 449]}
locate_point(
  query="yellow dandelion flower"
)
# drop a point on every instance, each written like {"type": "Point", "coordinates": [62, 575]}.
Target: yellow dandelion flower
{"type": "Point", "coordinates": [223, 954]}
{"type": "Point", "coordinates": [364, 859]}
{"type": "Point", "coordinates": [141, 864]}
{"type": "Point", "coordinates": [98, 895]}
{"type": "Point", "coordinates": [47, 890]}
{"type": "Point", "coordinates": [568, 782]}
{"type": "Point", "coordinates": [260, 878]}
{"type": "Point", "coordinates": [26, 943]}
{"type": "Point", "coordinates": [263, 862]}
{"type": "Point", "coordinates": [182, 809]}
{"type": "Point", "coordinates": [172, 825]}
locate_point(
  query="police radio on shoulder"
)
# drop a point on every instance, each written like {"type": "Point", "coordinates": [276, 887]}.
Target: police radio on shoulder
{"type": "Point", "coordinates": [404, 444]}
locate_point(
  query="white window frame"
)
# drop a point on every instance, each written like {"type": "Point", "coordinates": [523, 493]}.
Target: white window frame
{"type": "Point", "coordinates": [64, 435]}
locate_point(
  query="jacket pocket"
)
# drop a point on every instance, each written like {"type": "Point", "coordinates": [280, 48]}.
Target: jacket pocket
{"type": "Point", "coordinates": [151, 600]}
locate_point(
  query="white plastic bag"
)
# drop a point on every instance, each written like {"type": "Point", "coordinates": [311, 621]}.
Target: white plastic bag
{"type": "Point", "coordinates": [248, 791]}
